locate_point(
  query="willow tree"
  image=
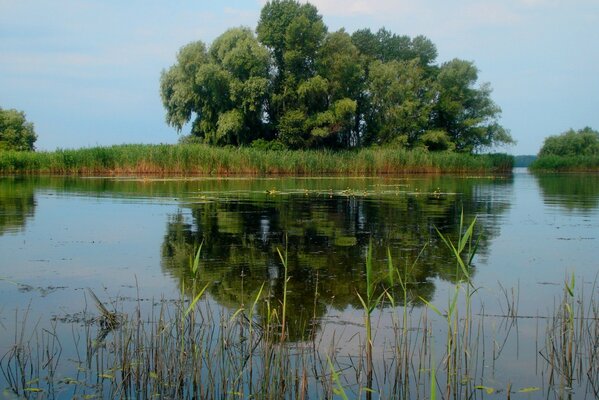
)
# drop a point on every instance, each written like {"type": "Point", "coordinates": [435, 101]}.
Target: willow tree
{"type": "Point", "coordinates": [465, 112]}
{"type": "Point", "coordinates": [293, 33]}
{"type": "Point", "coordinates": [15, 132]}
{"type": "Point", "coordinates": [221, 90]}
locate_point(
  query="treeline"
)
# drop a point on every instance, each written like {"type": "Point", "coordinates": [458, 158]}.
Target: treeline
{"type": "Point", "coordinates": [296, 85]}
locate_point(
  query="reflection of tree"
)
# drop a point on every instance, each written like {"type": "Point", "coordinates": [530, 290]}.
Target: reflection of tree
{"type": "Point", "coordinates": [326, 235]}
{"type": "Point", "coordinates": [17, 203]}
{"type": "Point", "coordinates": [573, 192]}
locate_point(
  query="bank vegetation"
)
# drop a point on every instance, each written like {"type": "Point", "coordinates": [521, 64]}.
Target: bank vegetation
{"type": "Point", "coordinates": [200, 159]}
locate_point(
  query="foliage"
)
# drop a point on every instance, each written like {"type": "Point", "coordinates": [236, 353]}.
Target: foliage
{"type": "Point", "coordinates": [222, 89]}
{"type": "Point", "coordinates": [583, 142]}
{"type": "Point", "coordinates": [15, 132]}
{"type": "Point", "coordinates": [304, 87]}
{"type": "Point", "coordinates": [466, 113]}
{"type": "Point", "coordinates": [400, 102]}
{"type": "Point", "coordinates": [569, 151]}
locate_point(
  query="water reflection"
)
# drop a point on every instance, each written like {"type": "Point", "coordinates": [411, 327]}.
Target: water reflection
{"type": "Point", "coordinates": [572, 192]}
{"type": "Point", "coordinates": [17, 203]}
{"type": "Point", "coordinates": [326, 234]}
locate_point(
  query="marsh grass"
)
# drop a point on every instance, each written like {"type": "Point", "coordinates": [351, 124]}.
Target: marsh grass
{"type": "Point", "coordinates": [565, 163]}
{"type": "Point", "coordinates": [195, 159]}
{"type": "Point", "coordinates": [188, 348]}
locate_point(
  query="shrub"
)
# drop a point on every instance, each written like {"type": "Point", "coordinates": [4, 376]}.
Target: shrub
{"type": "Point", "coordinates": [584, 142]}
{"type": "Point", "coordinates": [15, 132]}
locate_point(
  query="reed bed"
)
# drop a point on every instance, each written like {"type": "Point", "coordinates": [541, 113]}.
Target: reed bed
{"type": "Point", "coordinates": [186, 348]}
{"type": "Point", "coordinates": [196, 159]}
{"type": "Point", "coordinates": [566, 163]}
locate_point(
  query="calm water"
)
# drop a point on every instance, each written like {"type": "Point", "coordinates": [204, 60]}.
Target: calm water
{"type": "Point", "coordinates": [132, 238]}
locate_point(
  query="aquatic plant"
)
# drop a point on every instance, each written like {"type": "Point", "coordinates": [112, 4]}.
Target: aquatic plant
{"type": "Point", "coordinates": [186, 348]}
{"type": "Point", "coordinates": [197, 159]}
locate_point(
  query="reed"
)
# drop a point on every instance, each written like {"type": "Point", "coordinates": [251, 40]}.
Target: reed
{"type": "Point", "coordinates": [565, 163]}
{"type": "Point", "coordinates": [186, 348]}
{"type": "Point", "coordinates": [197, 159]}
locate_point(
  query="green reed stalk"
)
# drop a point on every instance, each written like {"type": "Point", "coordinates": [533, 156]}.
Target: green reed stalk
{"type": "Point", "coordinates": [206, 160]}
{"type": "Point", "coordinates": [285, 282]}
{"type": "Point", "coordinates": [369, 303]}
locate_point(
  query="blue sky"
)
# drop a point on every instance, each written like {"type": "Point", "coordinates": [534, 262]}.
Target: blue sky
{"type": "Point", "coordinates": [87, 72]}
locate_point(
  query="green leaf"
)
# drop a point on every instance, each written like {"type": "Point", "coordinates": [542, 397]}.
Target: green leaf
{"type": "Point", "coordinates": [195, 300]}
{"type": "Point", "coordinates": [196, 260]}
{"type": "Point", "coordinates": [529, 389]}
{"type": "Point", "coordinates": [487, 389]}
{"type": "Point", "coordinates": [431, 306]}
{"type": "Point", "coordinates": [339, 391]}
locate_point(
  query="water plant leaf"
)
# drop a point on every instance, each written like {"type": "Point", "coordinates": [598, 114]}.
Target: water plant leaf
{"type": "Point", "coordinates": [487, 389]}
{"type": "Point", "coordinates": [196, 260]}
{"type": "Point", "coordinates": [529, 389]}
{"type": "Point", "coordinates": [339, 391]}
{"type": "Point", "coordinates": [570, 287]}
{"type": "Point", "coordinates": [391, 270]}
{"type": "Point", "coordinates": [33, 390]}
{"type": "Point", "coordinates": [431, 306]}
{"type": "Point", "coordinates": [433, 387]}
{"type": "Point", "coordinates": [236, 313]}
{"type": "Point", "coordinates": [345, 241]}
{"type": "Point", "coordinates": [195, 300]}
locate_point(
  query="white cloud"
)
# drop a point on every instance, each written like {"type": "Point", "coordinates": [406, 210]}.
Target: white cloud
{"type": "Point", "coordinates": [397, 8]}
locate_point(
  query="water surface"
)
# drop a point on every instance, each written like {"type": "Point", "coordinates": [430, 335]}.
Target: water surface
{"type": "Point", "coordinates": [129, 239]}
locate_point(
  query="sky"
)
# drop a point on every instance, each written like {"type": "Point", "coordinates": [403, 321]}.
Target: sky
{"type": "Point", "coordinates": [87, 72]}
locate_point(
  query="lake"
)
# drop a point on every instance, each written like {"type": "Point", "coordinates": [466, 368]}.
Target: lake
{"type": "Point", "coordinates": [131, 240]}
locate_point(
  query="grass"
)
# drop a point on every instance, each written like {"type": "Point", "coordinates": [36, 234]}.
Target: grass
{"type": "Point", "coordinates": [194, 159]}
{"type": "Point", "coordinates": [188, 349]}
{"type": "Point", "coordinates": [566, 163]}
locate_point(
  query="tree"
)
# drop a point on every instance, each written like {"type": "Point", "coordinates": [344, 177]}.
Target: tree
{"type": "Point", "coordinates": [401, 101]}
{"type": "Point", "coordinates": [304, 87]}
{"type": "Point", "coordinates": [293, 33]}
{"type": "Point", "coordinates": [583, 142]}
{"type": "Point", "coordinates": [224, 88]}
{"type": "Point", "coordinates": [386, 46]}
{"type": "Point", "coordinates": [15, 132]}
{"type": "Point", "coordinates": [466, 113]}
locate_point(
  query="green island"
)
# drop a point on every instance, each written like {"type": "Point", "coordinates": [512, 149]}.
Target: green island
{"type": "Point", "coordinates": [295, 98]}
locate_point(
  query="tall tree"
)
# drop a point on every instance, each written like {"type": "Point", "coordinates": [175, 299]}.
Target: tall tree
{"type": "Point", "coordinates": [15, 132]}
{"type": "Point", "coordinates": [293, 33]}
{"type": "Point", "coordinates": [465, 112]}
{"type": "Point", "coordinates": [223, 89]}
{"type": "Point", "coordinates": [401, 101]}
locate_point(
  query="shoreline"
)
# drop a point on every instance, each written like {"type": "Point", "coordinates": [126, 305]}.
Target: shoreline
{"type": "Point", "coordinates": [203, 160]}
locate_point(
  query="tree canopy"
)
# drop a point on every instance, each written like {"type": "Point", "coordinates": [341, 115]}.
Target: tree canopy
{"type": "Point", "coordinates": [297, 84]}
{"type": "Point", "coordinates": [15, 132]}
{"type": "Point", "coordinates": [583, 142]}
